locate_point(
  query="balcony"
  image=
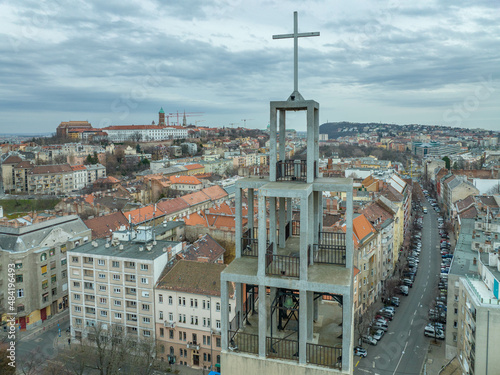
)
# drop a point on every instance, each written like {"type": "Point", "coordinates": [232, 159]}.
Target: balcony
{"type": "Point", "coordinates": [193, 345]}
{"type": "Point", "coordinates": [287, 349]}
{"type": "Point", "coordinates": [292, 170]}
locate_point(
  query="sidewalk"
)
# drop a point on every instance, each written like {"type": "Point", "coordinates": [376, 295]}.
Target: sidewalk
{"type": "Point", "coordinates": [435, 359]}
{"type": "Point", "coordinates": [47, 324]}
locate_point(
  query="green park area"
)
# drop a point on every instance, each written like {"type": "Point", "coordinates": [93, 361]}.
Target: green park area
{"type": "Point", "coordinates": [13, 208]}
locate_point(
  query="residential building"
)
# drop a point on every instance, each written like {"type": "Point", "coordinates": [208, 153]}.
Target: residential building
{"type": "Point", "coordinates": [188, 314]}
{"type": "Point", "coordinates": [112, 282]}
{"type": "Point", "coordinates": [38, 249]}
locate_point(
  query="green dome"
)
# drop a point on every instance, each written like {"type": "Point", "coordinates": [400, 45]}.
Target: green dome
{"type": "Point", "coordinates": [161, 110]}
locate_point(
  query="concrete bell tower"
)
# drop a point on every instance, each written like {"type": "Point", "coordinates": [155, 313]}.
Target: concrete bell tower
{"type": "Point", "coordinates": [293, 280]}
{"type": "Point", "coordinates": [161, 117]}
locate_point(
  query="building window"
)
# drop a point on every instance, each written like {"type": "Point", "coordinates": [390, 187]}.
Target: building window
{"type": "Point", "coordinates": [53, 278]}
{"type": "Point", "coordinates": [217, 324]}
{"type": "Point", "coordinates": [144, 280]}
{"type": "Point", "coordinates": [170, 317]}
{"type": "Point", "coordinates": [116, 277]}
{"type": "Point", "coordinates": [78, 309]}
{"type": "Point", "coordinates": [43, 270]}
{"type": "Point", "coordinates": [102, 300]}
{"type": "Point", "coordinates": [102, 276]}
{"type": "Point", "coordinates": [145, 307]}
{"type": "Point", "coordinates": [147, 333]}
{"type": "Point", "coordinates": [180, 301]}
{"type": "Point", "coordinates": [161, 315]}
{"type": "Point", "coordinates": [45, 284]}
{"type": "Point", "coordinates": [76, 284]}
{"type": "Point", "coordinates": [20, 293]}
{"type": "Point", "coordinates": [52, 252]}
{"type": "Point", "coordinates": [104, 313]}
{"type": "Point", "coordinates": [118, 315]}
{"type": "Point", "coordinates": [102, 288]}
{"type": "Point", "coordinates": [192, 302]}
{"type": "Point", "coordinates": [74, 259]}
{"type": "Point", "coordinates": [217, 342]}
{"type": "Point", "coordinates": [19, 278]}
{"type": "Point", "coordinates": [117, 290]}
{"type": "Point", "coordinates": [217, 306]}
{"type": "Point", "coordinates": [117, 302]}
{"type": "Point", "coordinates": [43, 257]}
{"type": "Point", "coordinates": [53, 265]}
{"type": "Point", "coordinates": [170, 300]}
{"type": "Point", "coordinates": [144, 267]}
{"type": "Point", "coordinates": [162, 332]}
{"type": "Point", "coordinates": [101, 262]}
{"type": "Point", "coordinates": [160, 298]}
{"type": "Point", "coordinates": [18, 265]}
{"type": "Point", "coordinates": [116, 264]}
{"type": "Point", "coordinates": [76, 297]}
{"type": "Point", "coordinates": [63, 262]}
{"type": "Point", "coordinates": [146, 320]}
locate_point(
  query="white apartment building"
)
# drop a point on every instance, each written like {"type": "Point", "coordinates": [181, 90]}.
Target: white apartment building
{"type": "Point", "coordinates": [112, 283]}
{"type": "Point", "coordinates": [188, 314]}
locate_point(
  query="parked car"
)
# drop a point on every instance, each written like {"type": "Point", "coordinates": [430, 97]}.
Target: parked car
{"type": "Point", "coordinates": [369, 340]}
{"type": "Point", "coordinates": [408, 282]}
{"type": "Point", "coordinates": [359, 351]}
{"type": "Point", "coordinates": [378, 334]}
{"type": "Point", "coordinates": [394, 301]}
{"type": "Point", "coordinates": [404, 290]}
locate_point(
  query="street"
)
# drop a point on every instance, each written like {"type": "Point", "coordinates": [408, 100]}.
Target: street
{"type": "Point", "coordinates": [403, 348]}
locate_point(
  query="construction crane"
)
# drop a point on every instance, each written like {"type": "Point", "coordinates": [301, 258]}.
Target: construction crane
{"type": "Point", "coordinates": [233, 123]}
{"type": "Point", "coordinates": [186, 114]}
{"type": "Point", "coordinates": [245, 121]}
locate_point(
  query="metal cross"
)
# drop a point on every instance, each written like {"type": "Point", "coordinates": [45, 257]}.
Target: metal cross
{"type": "Point", "coordinates": [295, 37]}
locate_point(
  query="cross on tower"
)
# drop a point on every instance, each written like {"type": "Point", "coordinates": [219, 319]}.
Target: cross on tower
{"type": "Point", "coordinates": [295, 37]}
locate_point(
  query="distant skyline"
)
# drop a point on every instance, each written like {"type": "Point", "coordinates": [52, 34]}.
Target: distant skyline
{"type": "Point", "coordinates": [115, 63]}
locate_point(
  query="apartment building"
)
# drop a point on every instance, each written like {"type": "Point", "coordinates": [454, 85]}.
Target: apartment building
{"type": "Point", "coordinates": [111, 283]}
{"type": "Point", "coordinates": [38, 250]}
{"type": "Point", "coordinates": [188, 314]}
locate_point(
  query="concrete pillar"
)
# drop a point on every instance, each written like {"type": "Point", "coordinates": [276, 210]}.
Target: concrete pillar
{"type": "Point", "coordinates": [272, 222]}
{"type": "Point", "coordinates": [262, 320]}
{"type": "Point", "coordinates": [251, 215]}
{"type": "Point", "coordinates": [303, 327]}
{"type": "Point", "coordinates": [238, 308]}
{"type": "Point", "coordinates": [318, 215]}
{"type": "Point", "coordinates": [238, 223]}
{"type": "Point", "coordinates": [310, 144]}
{"type": "Point", "coordinates": [273, 148]}
{"type": "Point", "coordinates": [282, 132]}
{"type": "Point", "coordinates": [262, 236]}
{"type": "Point", "coordinates": [349, 231]}
{"type": "Point", "coordinates": [282, 221]}
{"type": "Point", "coordinates": [310, 321]}
{"type": "Point", "coordinates": [224, 314]}
{"type": "Point", "coordinates": [273, 319]}
{"type": "Point", "coordinates": [316, 139]}
{"type": "Point", "coordinates": [347, 330]}
{"type": "Point", "coordinates": [304, 234]}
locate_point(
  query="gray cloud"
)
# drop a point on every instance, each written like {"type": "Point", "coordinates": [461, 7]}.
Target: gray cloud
{"type": "Point", "coordinates": [217, 57]}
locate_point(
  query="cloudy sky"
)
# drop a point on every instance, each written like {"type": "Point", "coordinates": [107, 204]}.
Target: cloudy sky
{"type": "Point", "coordinates": [117, 62]}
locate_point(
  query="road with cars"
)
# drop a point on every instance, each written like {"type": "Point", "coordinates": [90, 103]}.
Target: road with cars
{"type": "Point", "coordinates": [403, 348]}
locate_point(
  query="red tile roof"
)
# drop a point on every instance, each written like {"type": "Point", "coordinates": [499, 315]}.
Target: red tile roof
{"type": "Point", "coordinates": [171, 206]}
{"type": "Point", "coordinates": [142, 214]}
{"type": "Point", "coordinates": [12, 159]}
{"type": "Point", "coordinates": [190, 167]}
{"type": "Point", "coordinates": [78, 167]}
{"type": "Point", "coordinates": [215, 192]}
{"type": "Point", "coordinates": [102, 225]}
{"type": "Point", "coordinates": [47, 169]}
{"type": "Point", "coordinates": [188, 180]}
{"type": "Point", "coordinates": [195, 198]}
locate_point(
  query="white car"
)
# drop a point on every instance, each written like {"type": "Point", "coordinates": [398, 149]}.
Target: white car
{"type": "Point", "coordinates": [369, 340]}
{"type": "Point", "coordinates": [378, 334]}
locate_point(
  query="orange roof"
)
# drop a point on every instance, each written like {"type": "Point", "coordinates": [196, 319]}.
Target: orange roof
{"type": "Point", "coordinates": [191, 180]}
{"type": "Point", "coordinates": [195, 198]}
{"type": "Point", "coordinates": [142, 214]}
{"type": "Point", "coordinates": [78, 167]}
{"type": "Point", "coordinates": [195, 219]}
{"type": "Point", "coordinates": [89, 199]}
{"type": "Point", "coordinates": [361, 228]}
{"type": "Point", "coordinates": [215, 192]}
{"type": "Point", "coordinates": [190, 167]}
{"type": "Point", "coordinates": [223, 209]}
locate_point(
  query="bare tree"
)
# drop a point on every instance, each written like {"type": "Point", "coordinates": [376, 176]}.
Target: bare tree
{"type": "Point", "coordinates": [31, 364]}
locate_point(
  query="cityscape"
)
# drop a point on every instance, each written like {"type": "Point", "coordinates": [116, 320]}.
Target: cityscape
{"type": "Point", "coordinates": [269, 237]}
